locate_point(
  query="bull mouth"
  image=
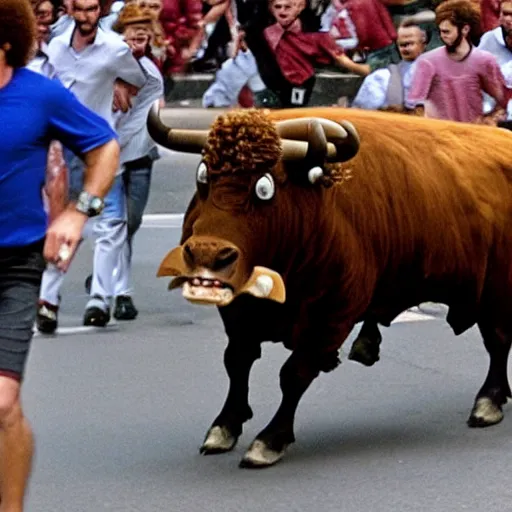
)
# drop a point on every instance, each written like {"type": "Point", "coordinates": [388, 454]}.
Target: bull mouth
{"type": "Point", "coordinates": [207, 290]}
{"type": "Point", "coordinates": [204, 286]}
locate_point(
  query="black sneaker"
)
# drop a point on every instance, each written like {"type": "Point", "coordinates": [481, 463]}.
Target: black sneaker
{"type": "Point", "coordinates": [96, 316]}
{"type": "Point", "coordinates": [124, 308]}
{"type": "Point", "coordinates": [47, 317]}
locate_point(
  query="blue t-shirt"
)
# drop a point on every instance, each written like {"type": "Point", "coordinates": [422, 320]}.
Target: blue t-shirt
{"type": "Point", "coordinates": [34, 111]}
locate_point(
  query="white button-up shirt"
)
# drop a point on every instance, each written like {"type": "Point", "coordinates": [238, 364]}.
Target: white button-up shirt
{"type": "Point", "coordinates": [131, 127]}
{"type": "Point", "coordinates": [373, 92]}
{"type": "Point", "coordinates": [90, 74]}
{"type": "Point", "coordinates": [41, 63]}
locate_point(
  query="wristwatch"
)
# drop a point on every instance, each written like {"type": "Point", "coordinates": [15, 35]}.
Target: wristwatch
{"type": "Point", "coordinates": [89, 205]}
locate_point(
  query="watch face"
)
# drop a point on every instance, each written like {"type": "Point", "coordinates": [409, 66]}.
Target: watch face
{"type": "Point", "coordinates": [96, 204]}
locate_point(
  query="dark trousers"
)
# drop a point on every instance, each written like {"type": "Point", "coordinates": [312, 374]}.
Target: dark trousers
{"type": "Point", "coordinates": [21, 269]}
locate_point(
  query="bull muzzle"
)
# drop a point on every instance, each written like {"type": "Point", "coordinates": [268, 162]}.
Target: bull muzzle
{"type": "Point", "coordinates": [209, 272]}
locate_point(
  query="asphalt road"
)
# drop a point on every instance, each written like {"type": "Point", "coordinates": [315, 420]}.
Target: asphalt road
{"type": "Point", "coordinates": [119, 414]}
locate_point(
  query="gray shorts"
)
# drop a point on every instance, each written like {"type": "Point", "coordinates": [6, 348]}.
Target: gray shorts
{"type": "Point", "coordinates": [21, 269]}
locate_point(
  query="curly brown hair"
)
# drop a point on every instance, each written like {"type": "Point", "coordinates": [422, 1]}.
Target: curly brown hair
{"type": "Point", "coordinates": [17, 31]}
{"type": "Point", "coordinates": [460, 13]}
{"type": "Point", "coordinates": [241, 142]}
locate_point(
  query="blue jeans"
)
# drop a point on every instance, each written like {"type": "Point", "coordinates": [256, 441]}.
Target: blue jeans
{"type": "Point", "coordinates": [137, 181]}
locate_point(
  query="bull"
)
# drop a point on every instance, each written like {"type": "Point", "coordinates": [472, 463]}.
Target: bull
{"type": "Point", "coordinates": [306, 222]}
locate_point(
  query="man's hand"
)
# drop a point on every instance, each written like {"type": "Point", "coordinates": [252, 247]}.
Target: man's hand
{"type": "Point", "coordinates": [63, 236]}
{"type": "Point", "coordinates": [239, 43]}
{"type": "Point", "coordinates": [123, 93]}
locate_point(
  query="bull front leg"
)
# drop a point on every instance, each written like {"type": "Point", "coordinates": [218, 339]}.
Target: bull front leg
{"type": "Point", "coordinates": [298, 372]}
{"type": "Point", "coordinates": [223, 435]}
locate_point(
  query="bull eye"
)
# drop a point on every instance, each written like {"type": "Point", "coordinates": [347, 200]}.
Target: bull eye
{"type": "Point", "coordinates": [202, 174]}
{"type": "Point", "coordinates": [265, 187]}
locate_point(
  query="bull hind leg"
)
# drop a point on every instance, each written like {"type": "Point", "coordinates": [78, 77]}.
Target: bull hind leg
{"type": "Point", "coordinates": [365, 349]}
{"type": "Point", "coordinates": [300, 369]}
{"type": "Point", "coordinates": [223, 435]}
{"type": "Point", "coordinates": [496, 389]}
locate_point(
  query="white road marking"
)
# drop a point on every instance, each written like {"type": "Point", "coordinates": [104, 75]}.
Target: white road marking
{"type": "Point", "coordinates": [405, 317]}
{"type": "Point", "coordinates": [162, 220]}
{"type": "Point", "coordinates": [79, 329]}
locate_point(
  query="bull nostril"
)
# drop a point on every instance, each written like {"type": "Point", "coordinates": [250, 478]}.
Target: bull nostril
{"type": "Point", "coordinates": [188, 255]}
{"type": "Point", "coordinates": [224, 258]}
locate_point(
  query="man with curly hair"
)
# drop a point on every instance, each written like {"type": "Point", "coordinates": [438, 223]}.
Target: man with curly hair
{"type": "Point", "coordinates": [36, 110]}
{"type": "Point", "coordinates": [449, 80]}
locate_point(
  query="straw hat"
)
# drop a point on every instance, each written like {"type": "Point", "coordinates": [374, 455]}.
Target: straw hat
{"type": "Point", "coordinates": [132, 14]}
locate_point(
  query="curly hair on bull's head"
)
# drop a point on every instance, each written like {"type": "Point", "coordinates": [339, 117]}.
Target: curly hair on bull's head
{"type": "Point", "coordinates": [461, 13]}
{"type": "Point", "coordinates": [241, 142]}
{"type": "Point", "coordinates": [17, 31]}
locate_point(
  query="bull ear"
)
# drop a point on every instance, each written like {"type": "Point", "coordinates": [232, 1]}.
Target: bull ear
{"type": "Point", "coordinates": [343, 139]}
{"type": "Point", "coordinates": [187, 141]}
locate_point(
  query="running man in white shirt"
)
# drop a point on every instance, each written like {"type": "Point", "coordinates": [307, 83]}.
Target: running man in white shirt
{"type": "Point", "coordinates": [89, 61]}
{"type": "Point", "coordinates": [138, 152]}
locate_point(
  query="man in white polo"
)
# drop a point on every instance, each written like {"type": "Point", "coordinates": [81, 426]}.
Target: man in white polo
{"type": "Point", "coordinates": [90, 62]}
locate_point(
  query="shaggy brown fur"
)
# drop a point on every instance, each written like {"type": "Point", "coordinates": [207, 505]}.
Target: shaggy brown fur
{"type": "Point", "coordinates": [443, 215]}
{"type": "Point", "coordinates": [18, 29]}
{"type": "Point", "coordinates": [447, 211]}
{"type": "Point", "coordinates": [241, 142]}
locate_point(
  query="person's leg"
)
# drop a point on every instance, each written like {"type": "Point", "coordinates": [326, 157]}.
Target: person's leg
{"type": "Point", "coordinates": [16, 447]}
{"type": "Point", "coordinates": [111, 233]}
{"type": "Point", "coordinates": [20, 278]}
{"type": "Point", "coordinates": [137, 182]}
{"type": "Point", "coordinates": [53, 278]}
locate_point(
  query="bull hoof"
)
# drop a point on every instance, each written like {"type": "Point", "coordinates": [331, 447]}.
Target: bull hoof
{"type": "Point", "coordinates": [364, 351]}
{"type": "Point", "coordinates": [259, 455]}
{"type": "Point", "coordinates": [485, 413]}
{"type": "Point", "coordinates": [218, 440]}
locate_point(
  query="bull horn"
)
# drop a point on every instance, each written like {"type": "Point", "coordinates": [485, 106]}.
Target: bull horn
{"type": "Point", "coordinates": [186, 141]}
{"type": "Point", "coordinates": [342, 137]}
{"type": "Point", "coordinates": [313, 148]}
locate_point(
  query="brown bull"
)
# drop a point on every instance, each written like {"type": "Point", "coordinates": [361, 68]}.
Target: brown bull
{"type": "Point", "coordinates": [300, 229]}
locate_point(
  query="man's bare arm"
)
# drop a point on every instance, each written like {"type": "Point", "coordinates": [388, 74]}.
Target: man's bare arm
{"type": "Point", "coordinates": [101, 165]}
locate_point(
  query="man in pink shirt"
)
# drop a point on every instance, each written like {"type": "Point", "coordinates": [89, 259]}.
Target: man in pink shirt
{"type": "Point", "coordinates": [449, 80]}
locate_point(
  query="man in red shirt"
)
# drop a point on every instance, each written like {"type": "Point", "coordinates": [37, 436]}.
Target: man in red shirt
{"type": "Point", "coordinates": [297, 52]}
{"type": "Point", "coordinates": [375, 31]}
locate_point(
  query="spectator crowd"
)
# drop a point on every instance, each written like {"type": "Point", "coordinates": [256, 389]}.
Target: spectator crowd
{"type": "Point", "coordinates": [448, 59]}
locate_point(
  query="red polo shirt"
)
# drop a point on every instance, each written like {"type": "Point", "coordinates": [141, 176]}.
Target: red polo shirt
{"type": "Point", "coordinates": [297, 52]}
{"type": "Point", "coordinates": [373, 23]}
